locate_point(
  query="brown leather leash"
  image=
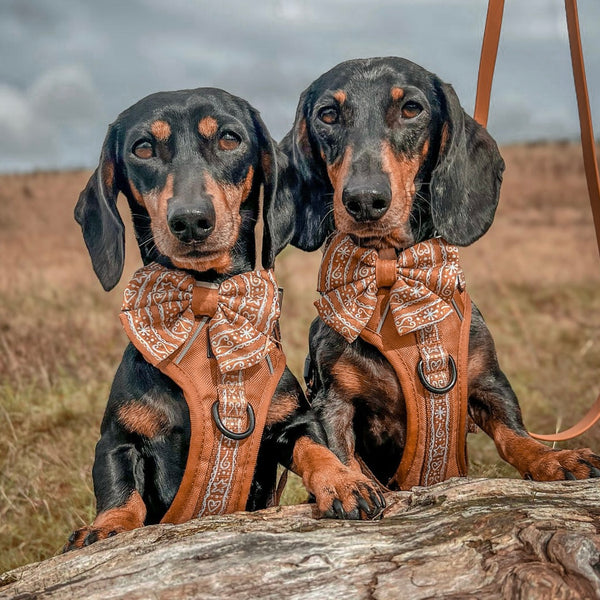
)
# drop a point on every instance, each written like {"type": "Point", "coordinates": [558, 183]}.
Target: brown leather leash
{"type": "Point", "coordinates": [487, 63]}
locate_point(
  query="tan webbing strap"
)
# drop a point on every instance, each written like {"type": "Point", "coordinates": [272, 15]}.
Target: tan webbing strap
{"type": "Point", "coordinates": [259, 230]}
{"type": "Point", "coordinates": [487, 63]}
{"type": "Point", "coordinates": [588, 145]}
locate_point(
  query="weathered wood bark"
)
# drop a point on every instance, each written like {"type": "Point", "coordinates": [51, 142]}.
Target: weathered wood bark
{"type": "Point", "coordinates": [460, 539]}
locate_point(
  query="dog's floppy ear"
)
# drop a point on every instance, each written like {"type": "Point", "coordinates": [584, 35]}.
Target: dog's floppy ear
{"type": "Point", "coordinates": [277, 219]}
{"type": "Point", "coordinates": [304, 182]}
{"type": "Point", "coordinates": [101, 225]}
{"type": "Point", "coordinates": [465, 183]}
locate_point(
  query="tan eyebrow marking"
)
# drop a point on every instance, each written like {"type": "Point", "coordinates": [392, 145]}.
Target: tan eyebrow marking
{"type": "Point", "coordinates": [397, 93]}
{"type": "Point", "coordinates": [161, 130]}
{"type": "Point", "coordinates": [340, 96]}
{"type": "Point", "coordinates": [208, 127]}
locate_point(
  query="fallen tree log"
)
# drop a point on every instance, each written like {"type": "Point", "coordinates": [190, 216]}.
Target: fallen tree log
{"type": "Point", "coordinates": [480, 539]}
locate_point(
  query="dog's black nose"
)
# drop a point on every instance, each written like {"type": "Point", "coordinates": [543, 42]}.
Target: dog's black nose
{"type": "Point", "coordinates": [191, 223]}
{"type": "Point", "coordinates": [366, 203]}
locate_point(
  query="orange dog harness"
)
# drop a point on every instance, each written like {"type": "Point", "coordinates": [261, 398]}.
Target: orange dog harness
{"type": "Point", "coordinates": [217, 344]}
{"type": "Point", "coordinates": [414, 309]}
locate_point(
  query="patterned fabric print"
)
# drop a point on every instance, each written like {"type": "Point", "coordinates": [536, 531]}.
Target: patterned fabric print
{"type": "Point", "coordinates": [155, 309]}
{"type": "Point", "coordinates": [428, 273]}
{"type": "Point", "coordinates": [157, 314]}
{"type": "Point", "coordinates": [240, 331]}
{"type": "Point", "coordinates": [436, 371]}
{"type": "Point", "coordinates": [232, 408]}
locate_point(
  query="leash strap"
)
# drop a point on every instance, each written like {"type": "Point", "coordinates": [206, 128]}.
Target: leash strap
{"type": "Point", "coordinates": [489, 50]}
{"type": "Point", "coordinates": [487, 62]}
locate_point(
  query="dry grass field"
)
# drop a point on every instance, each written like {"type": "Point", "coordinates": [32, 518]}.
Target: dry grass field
{"type": "Point", "coordinates": [535, 277]}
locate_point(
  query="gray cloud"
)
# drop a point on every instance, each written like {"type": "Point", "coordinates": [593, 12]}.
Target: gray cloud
{"type": "Point", "coordinates": [75, 64]}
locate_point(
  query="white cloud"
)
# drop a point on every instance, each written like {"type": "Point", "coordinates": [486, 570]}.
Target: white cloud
{"type": "Point", "coordinates": [75, 64]}
{"type": "Point", "coordinates": [48, 124]}
{"type": "Point", "coordinates": [65, 94]}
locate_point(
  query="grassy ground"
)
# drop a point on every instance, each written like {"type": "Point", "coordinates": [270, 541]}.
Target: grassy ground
{"type": "Point", "coordinates": [535, 277]}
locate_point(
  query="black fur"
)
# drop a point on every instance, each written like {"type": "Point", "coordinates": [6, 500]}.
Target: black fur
{"type": "Point", "coordinates": [153, 465]}
{"type": "Point", "coordinates": [457, 185]}
{"type": "Point", "coordinates": [460, 180]}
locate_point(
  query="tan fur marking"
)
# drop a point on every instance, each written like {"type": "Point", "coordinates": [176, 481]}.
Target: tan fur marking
{"type": "Point", "coordinates": [338, 173]}
{"type": "Point", "coordinates": [226, 199]}
{"type": "Point", "coordinates": [397, 93]}
{"type": "Point", "coordinates": [303, 140]}
{"type": "Point", "coordinates": [208, 127]}
{"type": "Point", "coordinates": [124, 518]}
{"type": "Point", "coordinates": [156, 202]}
{"type": "Point", "coordinates": [108, 174]}
{"type": "Point", "coordinates": [538, 461]}
{"type": "Point", "coordinates": [340, 96]}
{"type": "Point", "coordinates": [401, 171]}
{"type": "Point", "coordinates": [478, 364]}
{"type": "Point", "coordinates": [354, 383]}
{"type": "Point", "coordinates": [265, 162]}
{"type": "Point", "coordinates": [136, 193]}
{"type": "Point", "coordinates": [143, 419]}
{"type": "Point", "coordinates": [161, 130]}
{"type": "Point", "coordinates": [325, 476]}
{"type": "Point", "coordinates": [281, 407]}
{"type": "Point", "coordinates": [444, 137]}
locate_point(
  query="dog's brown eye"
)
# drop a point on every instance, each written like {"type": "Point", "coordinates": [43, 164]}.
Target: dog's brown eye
{"type": "Point", "coordinates": [329, 115]}
{"type": "Point", "coordinates": [143, 149]}
{"type": "Point", "coordinates": [411, 110]}
{"type": "Point", "coordinates": [229, 140]}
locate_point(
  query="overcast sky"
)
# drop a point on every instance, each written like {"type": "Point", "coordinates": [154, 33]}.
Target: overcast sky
{"type": "Point", "coordinates": [68, 67]}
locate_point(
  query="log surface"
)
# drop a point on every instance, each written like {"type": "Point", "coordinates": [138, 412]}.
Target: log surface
{"type": "Point", "coordinates": [459, 539]}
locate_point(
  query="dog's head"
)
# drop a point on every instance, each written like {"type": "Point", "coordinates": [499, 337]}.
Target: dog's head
{"type": "Point", "coordinates": [381, 149]}
{"type": "Point", "coordinates": [190, 164]}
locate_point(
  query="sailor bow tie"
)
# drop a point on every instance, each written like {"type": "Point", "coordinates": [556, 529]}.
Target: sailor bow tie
{"type": "Point", "coordinates": [422, 282]}
{"type": "Point", "coordinates": [161, 305]}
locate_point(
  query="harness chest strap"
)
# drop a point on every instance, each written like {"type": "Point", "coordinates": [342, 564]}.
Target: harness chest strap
{"type": "Point", "coordinates": [217, 346]}
{"type": "Point", "coordinates": [414, 310]}
{"type": "Point", "coordinates": [219, 470]}
{"type": "Point", "coordinates": [435, 447]}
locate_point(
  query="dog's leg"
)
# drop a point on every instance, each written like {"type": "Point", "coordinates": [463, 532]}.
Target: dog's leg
{"type": "Point", "coordinates": [494, 407]}
{"type": "Point", "coordinates": [333, 476]}
{"type": "Point", "coordinates": [116, 484]}
{"type": "Point", "coordinates": [143, 421]}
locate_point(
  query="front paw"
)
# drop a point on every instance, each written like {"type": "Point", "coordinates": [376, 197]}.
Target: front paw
{"type": "Point", "coordinates": [342, 493]}
{"type": "Point", "coordinates": [556, 465]}
{"type": "Point", "coordinates": [88, 535]}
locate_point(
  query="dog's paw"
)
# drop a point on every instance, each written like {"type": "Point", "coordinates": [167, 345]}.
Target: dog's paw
{"type": "Point", "coordinates": [556, 465]}
{"type": "Point", "coordinates": [88, 535]}
{"type": "Point", "coordinates": [342, 493]}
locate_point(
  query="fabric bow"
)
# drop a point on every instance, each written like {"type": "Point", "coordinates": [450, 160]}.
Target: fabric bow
{"type": "Point", "coordinates": [423, 280]}
{"type": "Point", "coordinates": [159, 306]}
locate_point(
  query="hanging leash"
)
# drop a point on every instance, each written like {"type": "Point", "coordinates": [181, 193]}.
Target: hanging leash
{"type": "Point", "coordinates": [489, 50]}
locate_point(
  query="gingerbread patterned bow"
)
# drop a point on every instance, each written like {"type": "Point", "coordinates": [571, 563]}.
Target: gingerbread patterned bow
{"type": "Point", "coordinates": [160, 306]}
{"type": "Point", "coordinates": [422, 282]}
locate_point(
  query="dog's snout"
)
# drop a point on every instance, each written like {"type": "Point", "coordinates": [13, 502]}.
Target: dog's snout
{"type": "Point", "coordinates": [366, 203]}
{"type": "Point", "coordinates": [191, 223]}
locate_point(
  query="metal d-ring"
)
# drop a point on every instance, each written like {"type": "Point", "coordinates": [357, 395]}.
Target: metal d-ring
{"type": "Point", "coordinates": [438, 390]}
{"type": "Point", "coordinates": [232, 434]}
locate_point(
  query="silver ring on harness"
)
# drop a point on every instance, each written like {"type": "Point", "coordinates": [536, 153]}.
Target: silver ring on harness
{"type": "Point", "coordinates": [232, 434]}
{"type": "Point", "coordinates": [438, 390]}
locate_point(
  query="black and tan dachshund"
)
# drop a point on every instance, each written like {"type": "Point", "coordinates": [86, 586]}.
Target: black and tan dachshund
{"type": "Point", "coordinates": [190, 164]}
{"type": "Point", "coordinates": [382, 150]}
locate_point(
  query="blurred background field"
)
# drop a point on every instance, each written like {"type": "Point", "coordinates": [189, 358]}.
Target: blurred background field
{"type": "Point", "coordinates": [535, 276]}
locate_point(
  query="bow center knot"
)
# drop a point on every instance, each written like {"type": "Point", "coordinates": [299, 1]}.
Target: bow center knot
{"type": "Point", "coordinates": [204, 301]}
{"type": "Point", "coordinates": [385, 268]}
